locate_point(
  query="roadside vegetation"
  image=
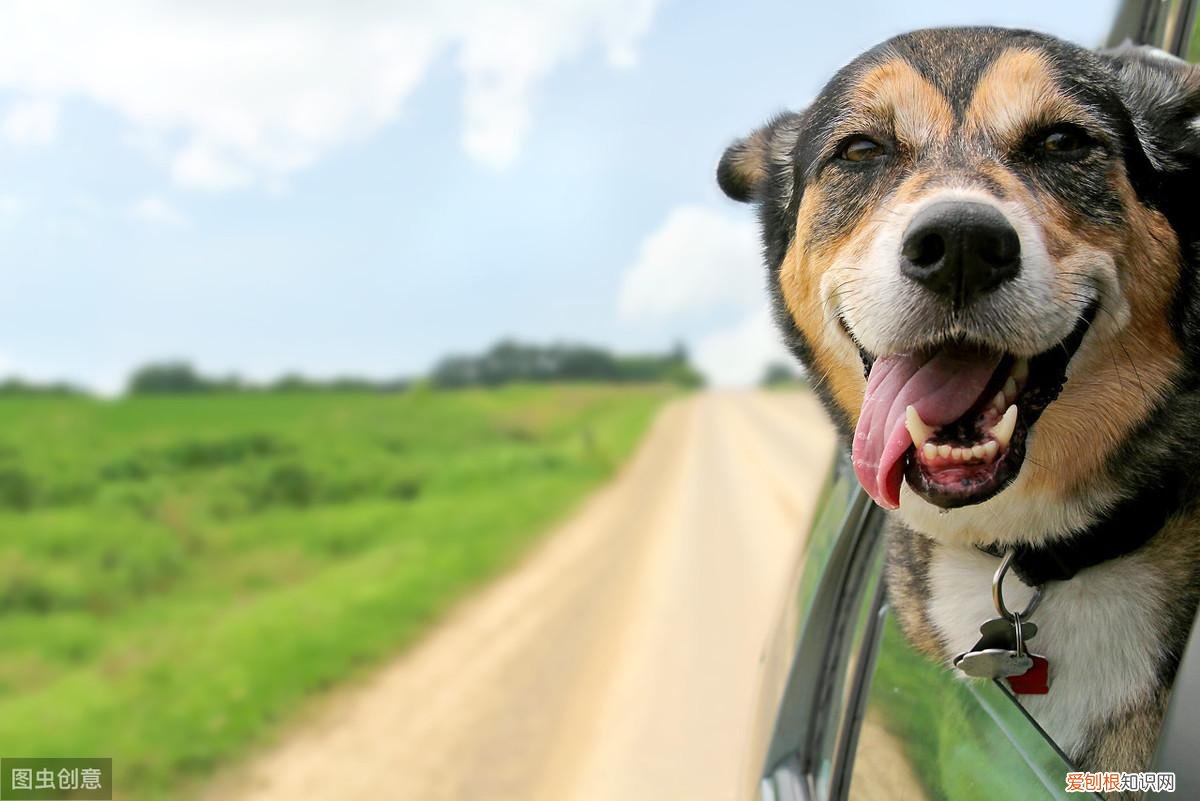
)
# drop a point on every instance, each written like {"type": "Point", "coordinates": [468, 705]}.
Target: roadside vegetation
{"type": "Point", "coordinates": [179, 571]}
{"type": "Point", "coordinates": [782, 375]}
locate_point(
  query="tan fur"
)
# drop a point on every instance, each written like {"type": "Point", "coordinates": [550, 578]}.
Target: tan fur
{"type": "Point", "coordinates": [895, 97]}
{"type": "Point", "coordinates": [906, 568]}
{"type": "Point", "coordinates": [799, 280]}
{"type": "Point", "coordinates": [750, 161]}
{"type": "Point", "coordinates": [1016, 93]}
{"type": "Point", "coordinates": [1118, 380]}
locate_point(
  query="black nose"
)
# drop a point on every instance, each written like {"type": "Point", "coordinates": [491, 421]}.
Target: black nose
{"type": "Point", "coordinates": [959, 250]}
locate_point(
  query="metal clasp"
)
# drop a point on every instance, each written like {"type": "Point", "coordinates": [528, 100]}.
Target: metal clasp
{"type": "Point", "coordinates": [998, 593]}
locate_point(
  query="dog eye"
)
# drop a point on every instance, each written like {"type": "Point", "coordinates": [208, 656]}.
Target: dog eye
{"type": "Point", "coordinates": [860, 148]}
{"type": "Point", "coordinates": [1064, 140]}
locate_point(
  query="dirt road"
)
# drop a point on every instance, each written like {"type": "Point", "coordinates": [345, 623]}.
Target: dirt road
{"type": "Point", "coordinates": [619, 662]}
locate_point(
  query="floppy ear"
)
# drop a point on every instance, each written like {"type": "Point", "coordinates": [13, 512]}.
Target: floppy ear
{"type": "Point", "coordinates": [1162, 93]}
{"type": "Point", "coordinates": [748, 164]}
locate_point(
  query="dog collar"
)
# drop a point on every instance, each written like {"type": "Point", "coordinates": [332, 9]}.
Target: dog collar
{"type": "Point", "coordinates": [1127, 528]}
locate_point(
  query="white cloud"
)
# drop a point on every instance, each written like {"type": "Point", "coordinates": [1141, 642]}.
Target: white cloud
{"type": "Point", "coordinates": [156, 210]}
{"type": "Point", "coordinates": [700, 260]}
{"type": "Point", "coordinates": [738, 355]}
{"type": "Point", "coordinates": [508, 47]}
{"type": "Point", "coordinates": [696, 260]}
{"type": "Point", "coordinates": [242, 93]}
{"type": "Point", "coordinates": [30, 122]}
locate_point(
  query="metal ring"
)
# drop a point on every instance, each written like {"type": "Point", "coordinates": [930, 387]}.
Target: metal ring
{"type": "Point", "coordinates": [1033, 602]}
{"type": "Point", "coordinates": [998, 591]}
{"type": "Point", "coordinates": [1019, 634]}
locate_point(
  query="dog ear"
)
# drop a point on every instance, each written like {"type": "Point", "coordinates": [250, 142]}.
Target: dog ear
{"type": "Point", "coordinates": [746, 168]}
{"type": "Point", "coordinates": [1162, 94]}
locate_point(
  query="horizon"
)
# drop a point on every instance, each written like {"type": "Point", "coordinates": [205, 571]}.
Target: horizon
{"type": "Point", "coordinates": [19, 384]}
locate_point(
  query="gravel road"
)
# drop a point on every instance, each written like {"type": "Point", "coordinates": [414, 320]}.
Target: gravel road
{"type": "Point", "coordinates": [620, 661]}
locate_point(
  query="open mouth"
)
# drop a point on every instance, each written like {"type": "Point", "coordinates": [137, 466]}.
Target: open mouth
{"type": "Point", "coordinates": [953, 418]}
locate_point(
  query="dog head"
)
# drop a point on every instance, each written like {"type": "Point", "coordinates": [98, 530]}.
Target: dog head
{"type": "Point", "coordinates": [976, 239]}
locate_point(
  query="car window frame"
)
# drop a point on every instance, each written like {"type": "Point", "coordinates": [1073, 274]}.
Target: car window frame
{"type": "Point", "coordinates": [1179, 737]}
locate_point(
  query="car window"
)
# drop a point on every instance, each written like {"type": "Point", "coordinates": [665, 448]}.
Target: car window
{"type": "Point", "coordinates": [1192, 48]}
{"type": "Point", "coordinates": [836, 710]}
{"type": "Point", "coordinates": [926, 735]}
{"type": "Point", "coordinates": [866, 717]}
{"type": "Point", "coordinates": [832, 606]}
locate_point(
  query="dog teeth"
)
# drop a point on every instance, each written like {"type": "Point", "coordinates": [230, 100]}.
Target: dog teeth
{"type": "Point", "coordinates": [920, 431]}
{"type": "Point", "coordinates": [999, 402]}
{"type": "Point", "coordinates": [982, 451]}
{"type": "Point", "coordinates": [1003, 430]}
{"type": "Point", "coordinates": [1010, 388]}
{"type": "Point", "coordinates": [1020, 370]}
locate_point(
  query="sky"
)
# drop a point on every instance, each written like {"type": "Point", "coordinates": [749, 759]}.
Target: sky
{"type": "Point", "coordinates": [360, 188]}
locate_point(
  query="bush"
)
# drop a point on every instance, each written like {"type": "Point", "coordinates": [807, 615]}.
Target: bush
{"type": "Point", "coordinates": [176, 378]}
{"type": "Point", "coordinates": [16, 489]}
{"type": "Point", "coordinates": [195, 454]}
{"type": "Point", "coordinates": [284, 485]}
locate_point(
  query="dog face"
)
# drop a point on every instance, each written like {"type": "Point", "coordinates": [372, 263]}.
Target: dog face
{"type": "Point", "coordinates": [974, 243]}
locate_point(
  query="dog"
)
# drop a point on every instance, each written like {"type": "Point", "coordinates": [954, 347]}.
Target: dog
{"type": "Point", "coordinates": [982, 244]}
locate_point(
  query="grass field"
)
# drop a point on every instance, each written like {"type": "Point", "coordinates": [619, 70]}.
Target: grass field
{"type": "Point", "coordinates": [177, 574]}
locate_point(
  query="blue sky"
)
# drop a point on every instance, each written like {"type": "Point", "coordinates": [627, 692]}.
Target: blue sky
{"type": "Point", "coordinates": [270, 187]}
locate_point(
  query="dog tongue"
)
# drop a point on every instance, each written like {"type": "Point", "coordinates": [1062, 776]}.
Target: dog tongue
{"type": "Point", "coordinates": [943, 387]}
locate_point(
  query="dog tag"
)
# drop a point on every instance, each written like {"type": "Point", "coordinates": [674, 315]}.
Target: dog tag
{"type": "Point", "coordinates": [1035, 681]}
{"type": "Point", "coordinates": [997, 654]}
{"type": "Point", "coordinates": [1000, 630]}
{"type": "Point", "coordinates": [994, 663]}
{"type": "Point", "coordinates": [998, 633]}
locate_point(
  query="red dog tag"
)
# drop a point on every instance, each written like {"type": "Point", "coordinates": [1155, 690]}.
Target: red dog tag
{"type": "Point", "coordinates": [1035, 681]}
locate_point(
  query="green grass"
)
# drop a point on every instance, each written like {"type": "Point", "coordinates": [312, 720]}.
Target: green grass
{"type": "Point", "coordinates": [178, 574]}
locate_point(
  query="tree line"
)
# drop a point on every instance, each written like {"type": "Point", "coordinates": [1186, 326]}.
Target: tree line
{"type": "Point", "coordinates": [509, 361]}
{"type": "Point", "coordinates": [181, 378]}
{"type": "Point", "coordinates": [504, 363]}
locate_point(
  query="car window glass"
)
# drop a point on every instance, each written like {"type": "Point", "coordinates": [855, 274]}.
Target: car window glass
{"type": "Point", "coordinates": [834, 506]}
{"type": "Point", "coordinates": [928, 736]}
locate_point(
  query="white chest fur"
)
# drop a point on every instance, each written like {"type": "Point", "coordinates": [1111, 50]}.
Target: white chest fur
{"type": "Point", "coordinates": [1101, 632]}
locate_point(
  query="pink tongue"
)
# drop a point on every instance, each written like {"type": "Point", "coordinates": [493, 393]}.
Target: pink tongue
{"type": "Point", "coordinates": [942, 388]}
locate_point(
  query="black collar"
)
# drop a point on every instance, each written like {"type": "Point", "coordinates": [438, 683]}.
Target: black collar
{"type": "Point", "coordinates": [1129, 526]}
